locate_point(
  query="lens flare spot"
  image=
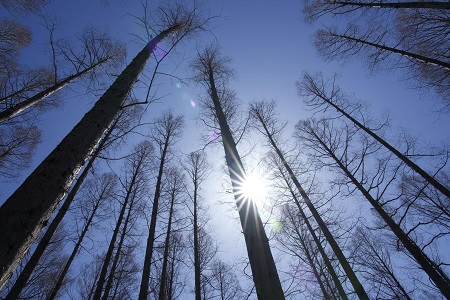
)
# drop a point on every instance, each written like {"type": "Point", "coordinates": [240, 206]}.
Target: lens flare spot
{"type": "Point", "coordinates": [193, 104]}
{"type": "Point", "coordinates": [213, 136]}
{"type": "Point", "coordinates": [178, 85]}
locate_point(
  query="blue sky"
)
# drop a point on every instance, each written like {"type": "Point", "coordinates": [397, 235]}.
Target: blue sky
{"type": "Point", "coordinates": [270, 46]}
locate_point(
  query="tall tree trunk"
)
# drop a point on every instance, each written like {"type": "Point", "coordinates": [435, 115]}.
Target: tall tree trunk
{"type": "Point", "coordinates": [143, 291]}
{"type": "Point", "coordinates": [309, 258]}
{"type": "Point", "coordinates": [329, 266]}
{"type": "Point", "coordinates": [162, 286]}
{"type": "Point", "coordinates": [25, 274]}
{"type": "Point", "coordinates": [435, 273]}
{"type": "Point", "coordinates": [63, 273]}
{"type": "Point", "coordinates": [440, 187]}
{"type": "Point", "coordinates": [409, 4]}
{"type": "Point", "coordinates": [118, 250]}
{"type": "Point", "coordinates": [20, 107]}
{"type": "Point", "coordinates": [264, 272]}
{"type": "Point", "coordinates": [109, 252]}
{"type": "Point", "coordinates": [357, 286]}
{"type": "Point", "coordinates": [410, 55]}
{"type": "Point", "coordinates": [26, 212]}
{"type": "Point", "coordinates": [197, 271]}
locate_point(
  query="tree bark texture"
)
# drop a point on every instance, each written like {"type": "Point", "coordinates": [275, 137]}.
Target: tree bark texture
{"type": "Point", "coordinates": [24, 276]}
{"type": "Point", "coordinates": [28, 209]}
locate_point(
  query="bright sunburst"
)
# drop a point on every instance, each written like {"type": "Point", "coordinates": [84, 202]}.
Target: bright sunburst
{"type": "Point", "coordinates": [255, 187]}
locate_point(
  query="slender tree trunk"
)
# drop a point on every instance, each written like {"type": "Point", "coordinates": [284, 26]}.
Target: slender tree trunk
{"type": "Point", "coordinates": [172, 272]}
{"type": "Point", "coordinates": [411, 55]}
{"type": "Point", "coordinates": [410, 4]}
{"type": "Point", "coordinates": [143, 291]}
{"type": "Point", "coordinates": [309, 259]}
{"type": "Point", "coordinates": [109, 253]}
{"type": "Point", "coordinates": [329, 266]}
{"type": "Point", "coordinates": [20, 107]}
{"type": "Point", "coordinates": [63, 274]}
{"type": "Point", "coordinates": [435, 273]}
{"type": "Point", "coordinates": [162, 286]}
{"type": "Point", "coordinates": [26, 212]}
{"type": "Point", "coordinates": [359, 289]}
{"type": "Point", "coordinates": [24, 276]}
{"type": "Point", "coordinates": [118, 250]}
{"type": "Point", "coordinates": [440, 187]}
{"type": "Point", "coordinates": [196, 248]}
{"type": "Point", "coordinates": [264, 272]}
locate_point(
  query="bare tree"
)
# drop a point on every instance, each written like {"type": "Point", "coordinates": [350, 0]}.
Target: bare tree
{"type": "Point", "coordinates": [17, 145]}
{"type": "Point", "coordinates": [370, 252]}
{"type": "Point", "coordinates": [137, 165]}
{"type": "Point", "coordinates": [166, 132]}
{"type": "Point", "coordinates": [213, 71]}
{"type": "Point", "coordinates": [318, 95]}
{"type": "Point", "coordinates": [97, 49]}
{"type": "Point", "coordinates": [174, 188]}
{"type": "Point", "coordinates": [24, 5]}
{"type": "Point", "coordinates": [316, 8]}
{"type": "Point", "coordinates": [224, 281]}
{"type": "Point", "coordinates": [197, 170]}
{"type": "Point", "coordinates": [96, 192]}
{"type": "Point", "coordinates": [320, 136]}
{"type": "Point", "coordinates": [264, 114]}
{"type": "Point", "coordinates": [26, 212]}
{"type": "Point", "coordinates": [106, 141]}
{"type": "Point", "coordinates": [13, 37]}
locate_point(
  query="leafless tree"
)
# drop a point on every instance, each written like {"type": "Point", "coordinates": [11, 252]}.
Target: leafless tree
{"type": "Point", "coordinates": [174, 189]}
{"type": "Point", "coordinates": [197, 170]}
{"type": "Point", "coordinates": [166, 132]}
{"type": "Point", "coordinates": [264, 113]}
{"type": "Point", "coordinates": [135, 179]}
{"type": "Point", "coordinates": [212, 71]}
{"type": "Point", "coordinates": [97, 49]}
{"type": "Point", "coordinates": [316, 8]}
{"type": "Point", "coordinates": [326, 142]}
{"type": "Point", "coordinates": [24, 5]}
{"type": "Point", "coordinates": [113, 135]}
{"type": "Point", "coordinates": [320, 96]}
{"type": "Point", "coordinates": [96, 192]}
{"type": "Point", "coordinates": [23, 216]}
{"type": "Point", "coordinates": [371, 254]}
{"type": "Point", "coordinates": [17, 145]}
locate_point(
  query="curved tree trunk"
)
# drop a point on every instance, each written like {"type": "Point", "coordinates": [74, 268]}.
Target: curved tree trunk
{"type": "Point", "coordinates": [27, 211]}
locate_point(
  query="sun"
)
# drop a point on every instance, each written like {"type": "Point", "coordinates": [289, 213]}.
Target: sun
{"type": "Point", "coordinates": [255, 187]}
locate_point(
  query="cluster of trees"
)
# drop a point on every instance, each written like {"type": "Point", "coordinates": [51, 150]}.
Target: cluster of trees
{"type": "Point", "coordinates": [358, 216]}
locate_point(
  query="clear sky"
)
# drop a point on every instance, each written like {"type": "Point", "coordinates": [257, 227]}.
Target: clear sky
{"type": "Point", "coordinates": [269, 45]}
